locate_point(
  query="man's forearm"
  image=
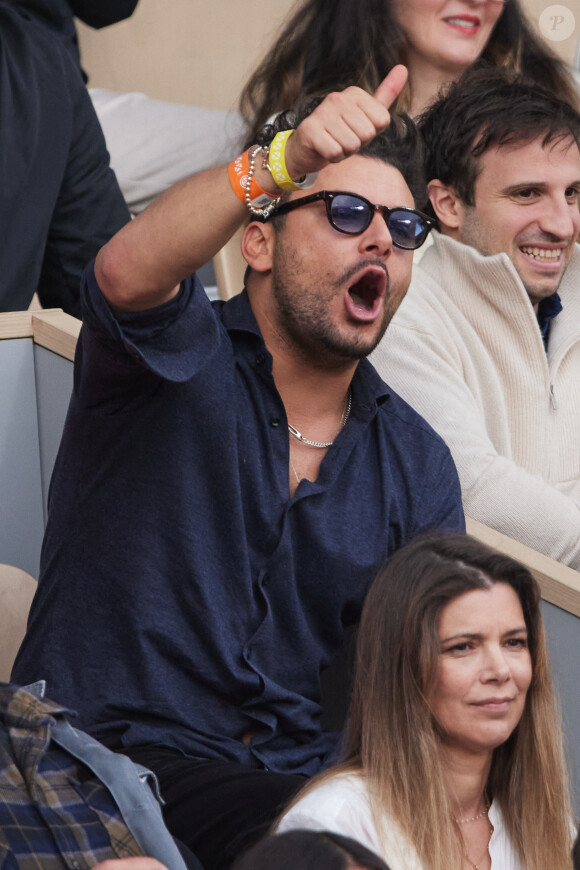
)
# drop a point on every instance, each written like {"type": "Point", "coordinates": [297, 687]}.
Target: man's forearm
{"type": "Point", "coordinates": [142, 266]}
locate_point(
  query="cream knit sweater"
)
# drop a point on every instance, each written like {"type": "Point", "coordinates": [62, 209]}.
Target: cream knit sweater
{"type": "Point", "coordinates": [465, 350]}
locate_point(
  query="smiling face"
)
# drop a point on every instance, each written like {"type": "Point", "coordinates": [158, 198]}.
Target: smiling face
{"type": "Point", "coordinates": [334, 294]}
{"type": "Point", "coordinates": [484, 669]}
{"type": "Point", "coordinates": [445, 35]}
{"type": "Point", "coordinates": [526, 205]}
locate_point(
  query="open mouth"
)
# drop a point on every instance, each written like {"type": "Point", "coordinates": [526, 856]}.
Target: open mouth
{"type": "Point", "coordinates": [365, 296]}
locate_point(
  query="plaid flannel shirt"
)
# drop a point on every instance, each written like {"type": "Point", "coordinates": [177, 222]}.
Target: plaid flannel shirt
{"type": "Point", "coordinates": [54, 812]}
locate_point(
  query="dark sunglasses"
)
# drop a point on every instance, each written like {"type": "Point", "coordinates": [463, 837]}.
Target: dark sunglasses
{"type": "Point", "coordinates": [352, 214]}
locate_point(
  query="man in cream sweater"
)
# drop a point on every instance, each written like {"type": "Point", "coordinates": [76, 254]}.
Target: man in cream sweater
{"type": "Point", "coordinates": [486, 344]}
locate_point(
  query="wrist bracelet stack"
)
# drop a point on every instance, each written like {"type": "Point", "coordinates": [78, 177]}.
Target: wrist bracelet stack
{"type": "Point", "coordinates": [242, 176]}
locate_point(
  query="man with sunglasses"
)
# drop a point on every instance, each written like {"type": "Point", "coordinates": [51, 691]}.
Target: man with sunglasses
{"type": "Point", "coordinates": [487, 342]}
{"type": "Point", "coordinates": [232, 476]}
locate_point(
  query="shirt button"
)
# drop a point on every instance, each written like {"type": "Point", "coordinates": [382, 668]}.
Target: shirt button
{"type": "Point", "coordinates": [274, 422]}
{"type": "Point", "coordinates": [265, 579]}
{"type": "Point", "coordinates": [260, 358]}
{"type": "Point", "coordinates": [249, 653]}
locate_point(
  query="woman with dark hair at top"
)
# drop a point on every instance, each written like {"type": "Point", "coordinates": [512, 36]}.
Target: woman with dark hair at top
{"type": "Point", "coordinates": [454, 754]}
{"type": "Point", "coordinates": [330, 44]}
{"type": "Point", "coordinates": [309, 850]}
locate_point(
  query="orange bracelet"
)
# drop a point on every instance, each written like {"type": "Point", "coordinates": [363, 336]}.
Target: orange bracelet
{"type": "Point", "coordinates": [239, 172]}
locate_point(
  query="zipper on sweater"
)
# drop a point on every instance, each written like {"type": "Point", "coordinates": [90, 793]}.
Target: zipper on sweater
{"type": "Point", "coordinates": [553, 398]}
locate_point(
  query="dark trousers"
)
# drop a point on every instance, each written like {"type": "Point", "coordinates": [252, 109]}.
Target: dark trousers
{"type": "Point", "coordinates": [217, 808]}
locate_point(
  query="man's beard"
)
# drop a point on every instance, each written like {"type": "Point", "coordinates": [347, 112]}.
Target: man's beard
{"type": "Point", "coordinates": [304, 319]}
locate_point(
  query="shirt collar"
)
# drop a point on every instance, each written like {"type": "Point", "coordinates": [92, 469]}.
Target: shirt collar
{"type": "Point", "coordinates": [237, 314]}
{"type": "Point", "coordinates": [368, 382]}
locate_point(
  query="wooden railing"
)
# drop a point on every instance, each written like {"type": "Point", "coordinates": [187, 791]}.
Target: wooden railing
{"type": "Point", "coordinates": [560, 585]}
{"type": "Point", "coordinates": [51, 328]}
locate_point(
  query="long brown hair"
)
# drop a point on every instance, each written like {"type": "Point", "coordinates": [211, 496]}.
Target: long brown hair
{"type": "Point", "coordinates": [393, 739]}
{"type": "Point", "coordinates": [331, 44]}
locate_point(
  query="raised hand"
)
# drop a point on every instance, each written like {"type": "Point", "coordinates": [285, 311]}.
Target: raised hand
{"type": "Point", "coordinates": [342, 124]}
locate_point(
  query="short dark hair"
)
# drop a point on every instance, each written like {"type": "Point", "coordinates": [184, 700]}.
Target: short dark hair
{"type": "Point", "coordinates": [309, 850]}
{"type": "Point", "coordinates": [488, 107]}
{"type": "Point", "coordinates": [399, 145]}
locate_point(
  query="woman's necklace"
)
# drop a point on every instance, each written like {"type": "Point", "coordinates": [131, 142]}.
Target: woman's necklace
{"type": "Point", "coordinates": [298, 435]}
{"type": "Point", "coordinates": [468, 819]}
{"type": "Point", "coordinates": [475, 864]}
{"type": "Point", "coordinates": [473, 818]}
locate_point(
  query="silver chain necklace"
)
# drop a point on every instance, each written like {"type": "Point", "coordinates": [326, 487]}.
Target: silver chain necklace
{"type": "Point", "coordinates": [298, 435]}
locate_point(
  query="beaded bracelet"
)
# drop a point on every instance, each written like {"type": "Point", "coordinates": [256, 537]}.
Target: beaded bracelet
{"type": "Point", "coordinates": [257, 205]}
{"type": "Point", "coordinates": [241, 174]}
{"type": "Point", "coordinates": [277, 165]}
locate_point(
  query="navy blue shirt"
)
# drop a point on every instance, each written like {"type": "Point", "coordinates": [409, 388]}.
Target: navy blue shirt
{"type": "Point", "coordinates": [184, 597]}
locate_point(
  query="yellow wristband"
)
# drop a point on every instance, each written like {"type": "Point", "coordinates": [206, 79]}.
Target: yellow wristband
{"type": "Point", "coordinates": [277, 165]}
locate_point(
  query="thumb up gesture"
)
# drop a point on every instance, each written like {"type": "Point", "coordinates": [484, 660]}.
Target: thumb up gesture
{"type": "Point", "coordinates": [342, 124]}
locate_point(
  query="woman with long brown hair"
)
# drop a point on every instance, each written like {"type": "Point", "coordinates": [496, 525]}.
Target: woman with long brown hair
{"type": "Point", "coordinates": [454, 756]}
{"type": "Point", "coordinates": [330, 44]}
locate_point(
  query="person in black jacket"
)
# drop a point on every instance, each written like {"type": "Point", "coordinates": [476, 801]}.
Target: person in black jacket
{"type": "Point", "coordinates": [60, 201]}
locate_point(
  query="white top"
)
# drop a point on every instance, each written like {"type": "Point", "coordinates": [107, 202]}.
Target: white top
{"type": "Point", "coordinates": [341, 805]}
{"type": "Point", "coordinates": [465, 350]}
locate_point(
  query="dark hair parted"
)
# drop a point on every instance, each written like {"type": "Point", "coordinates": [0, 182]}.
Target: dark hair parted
{"type": "Point", "coordinates": [309, 850]}
{"type": "Point", "coordinates": [399, 145]}
{"type": "Point", "coordinates": [489, 108]}
{"type": "Point", "coordinates": [330, 44]}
